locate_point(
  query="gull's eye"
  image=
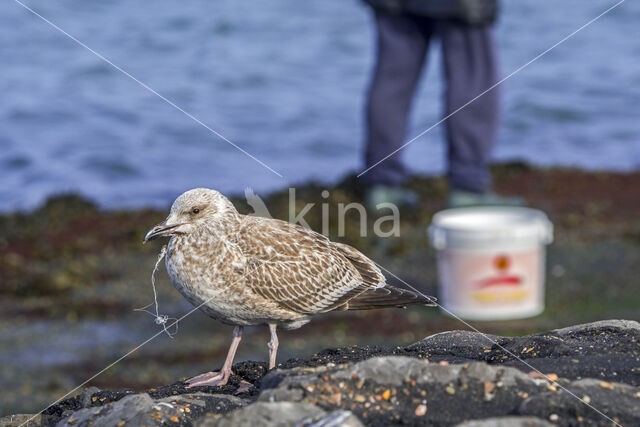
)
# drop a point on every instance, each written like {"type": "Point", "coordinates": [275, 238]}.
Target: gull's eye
{"type": "Point", "coordinates": [196, 211]}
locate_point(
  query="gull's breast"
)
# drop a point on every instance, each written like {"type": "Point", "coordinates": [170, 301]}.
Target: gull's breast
{"type": "Point", "coordinates": [212, 282]}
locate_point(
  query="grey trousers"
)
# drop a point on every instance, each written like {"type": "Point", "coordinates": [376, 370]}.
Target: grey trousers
{"type": "Point", "coordinates": [470, 68]}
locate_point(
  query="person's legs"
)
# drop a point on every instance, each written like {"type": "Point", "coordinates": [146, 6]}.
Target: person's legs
{"type": "Point", "coordinates": [470, 66]}
{"type": "Point", "coordinates": [401, 49]}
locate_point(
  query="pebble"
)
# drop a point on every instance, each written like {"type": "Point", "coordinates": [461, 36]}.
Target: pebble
{"type": "Point", "coordinates": [541, 376]}
{"type": "Point", "coordinates": [421, 410]}
{"type": "Point", "coordinates": [607, 385]}
{"type": "Point", "coordinates": [489, 388]}
{"type": "Point", "coordinates": [335, 398]}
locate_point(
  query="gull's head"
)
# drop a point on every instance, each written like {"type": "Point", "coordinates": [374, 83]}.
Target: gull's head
{"type": "Point", "coordinates": [191, 211]}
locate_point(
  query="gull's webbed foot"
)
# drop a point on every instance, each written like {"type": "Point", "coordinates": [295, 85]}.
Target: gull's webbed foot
{"type": "Point", "coordinates": [209, 379]}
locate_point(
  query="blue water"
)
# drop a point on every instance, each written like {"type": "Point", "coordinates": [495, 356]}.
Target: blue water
{"type": "Point", "coordinates": [284, 82]}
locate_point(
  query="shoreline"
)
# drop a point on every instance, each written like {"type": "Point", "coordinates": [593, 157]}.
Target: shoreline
{"type": "Point", "coordinates": [514, 167]}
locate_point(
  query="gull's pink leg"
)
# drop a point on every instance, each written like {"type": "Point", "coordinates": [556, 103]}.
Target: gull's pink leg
{"type": "Point", "coordinates": [273, 346]}
{"type": "Point", "coordinates": [220, 378]}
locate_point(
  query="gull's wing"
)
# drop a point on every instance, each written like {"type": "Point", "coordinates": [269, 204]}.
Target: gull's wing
{"type": "Point", "coordinates": [302, 270]}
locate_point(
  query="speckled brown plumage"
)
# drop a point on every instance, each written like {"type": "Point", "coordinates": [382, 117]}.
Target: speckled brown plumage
{"type": "Point", "coordinates": [245, 270]}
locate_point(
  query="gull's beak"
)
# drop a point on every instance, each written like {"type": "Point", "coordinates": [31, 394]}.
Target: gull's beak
{"type": "Point", "coordinates": [159, 230]}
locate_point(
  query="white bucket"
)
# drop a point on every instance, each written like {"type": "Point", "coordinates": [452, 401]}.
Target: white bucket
{"type": "Point", "coordinates": [491, 261]}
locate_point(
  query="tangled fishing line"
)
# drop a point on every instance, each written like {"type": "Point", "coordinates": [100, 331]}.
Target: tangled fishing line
{"type": "Point", "coordinates": [160, 319]}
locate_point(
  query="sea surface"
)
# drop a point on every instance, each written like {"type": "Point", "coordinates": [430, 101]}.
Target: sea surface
{"type": "Point", "coordinates": [285, 81]}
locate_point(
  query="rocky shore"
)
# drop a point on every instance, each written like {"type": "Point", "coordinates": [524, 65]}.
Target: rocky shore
{"type": "Point", "coordinates": [582, 375]}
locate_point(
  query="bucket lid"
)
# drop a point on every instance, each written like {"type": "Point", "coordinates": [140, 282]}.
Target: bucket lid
{"type": "Point", "coordinates": [479, 226]}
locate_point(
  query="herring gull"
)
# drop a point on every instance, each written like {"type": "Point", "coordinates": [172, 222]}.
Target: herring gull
{"type": "Point", "coordinates": [246, 270]}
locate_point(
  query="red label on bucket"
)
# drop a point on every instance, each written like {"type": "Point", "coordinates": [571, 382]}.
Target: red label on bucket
{"type": "Point", "coordinates": [481, 282]}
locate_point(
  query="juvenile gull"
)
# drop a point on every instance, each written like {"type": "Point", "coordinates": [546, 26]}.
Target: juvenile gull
{"type": "Point", "coordinates": [245, 270]}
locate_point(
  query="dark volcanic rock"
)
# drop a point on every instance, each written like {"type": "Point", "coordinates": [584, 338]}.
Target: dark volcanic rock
{"type": "Point", "coordinates": [507, 422]}
{"type": "Point", "coordinates": [135, 409]}
{"type": "Point", "coordinates": [607, 350]}
{"type": "Point", "coordinates": [619, 402]}
{"type": "Point", "coordinates": [141, 409]}
{"type": "Point", "coordinates": [583, 375]}
{"type": "Point", "coordinates": [283, 414]}
{"type": "Point", "coordinates": [388, 390]}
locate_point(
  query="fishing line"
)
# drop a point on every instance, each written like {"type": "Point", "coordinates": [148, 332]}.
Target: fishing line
{"type": "Point", "coordinates": [159, 319]}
